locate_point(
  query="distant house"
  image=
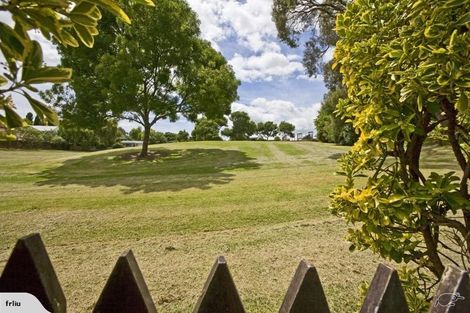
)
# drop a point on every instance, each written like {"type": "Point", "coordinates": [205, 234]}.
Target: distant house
{"type": "Point", "coordinates": [132, 143]}
{"type": "Point", "coordinates": [43, 128]}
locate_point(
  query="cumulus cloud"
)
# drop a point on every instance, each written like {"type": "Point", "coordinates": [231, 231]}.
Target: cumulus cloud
{"type": "Point", "coordinates": [261, 109]}
{"type": "Point", "coordinates": [252, 23]}
{"type": "Point", "coordinates": [210, 14]}
{"type": "Point", "coordinates": [265, 66]}
{"type": "Point", "coordinates": [250, 26]}
{"type": "Point", "coordinates": [249, 22]}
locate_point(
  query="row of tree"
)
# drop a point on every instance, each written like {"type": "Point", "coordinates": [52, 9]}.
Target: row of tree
{"type": "Point", "coordinates": [243, 128]}
{"type": "Point", "coordinates": [78, 138]}
{"type": "Point", "coordinates": [158, 137]}
{"type": "Point", "coordinates": [109, 134]}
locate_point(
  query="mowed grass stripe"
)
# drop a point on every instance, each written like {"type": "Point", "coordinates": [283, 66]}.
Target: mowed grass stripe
{"type": "Point", "coordinates": [262, 204]}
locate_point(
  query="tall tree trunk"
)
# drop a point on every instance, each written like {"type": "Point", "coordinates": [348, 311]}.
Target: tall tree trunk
{"type": "Point", "coordinates": [145, 144]}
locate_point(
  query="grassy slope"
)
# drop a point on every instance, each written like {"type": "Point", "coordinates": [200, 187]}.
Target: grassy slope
{"type": "Point", "coordinates": [262, 205]}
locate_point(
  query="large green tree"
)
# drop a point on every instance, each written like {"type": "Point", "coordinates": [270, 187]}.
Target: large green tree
{"type": "Point", "coordinates": [242, 126]}
{"type": "Point", "coordinates": [406, 67]}
{"type": "Point", "coordinates": [67, 22]}
{"type": "Point", "coordinates": [267, 129]}
{"type": "Point", "coordinates": [206, 130]}
{"type": "Point", "coordinates": [286, 129]}
{"type": "Point", "coordinates": [82, 102]}
{"type": "Point", "coordinates": [162, 69]}
{"type": "Point", "coordinates": [330, 127]}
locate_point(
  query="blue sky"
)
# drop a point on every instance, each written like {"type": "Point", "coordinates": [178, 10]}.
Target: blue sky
{"type": "Point", "coordinates": [273, 83]}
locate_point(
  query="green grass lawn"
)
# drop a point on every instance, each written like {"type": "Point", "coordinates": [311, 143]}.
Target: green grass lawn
{"type": "Point", "coordinates": [263, 205]}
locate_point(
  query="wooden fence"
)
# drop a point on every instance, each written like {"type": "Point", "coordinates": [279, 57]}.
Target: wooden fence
{"type": "Point", "coordinates": [29, 269]}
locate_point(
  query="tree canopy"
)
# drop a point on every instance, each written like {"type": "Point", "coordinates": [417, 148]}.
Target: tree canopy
{"type": "Point", "coordinates": [67, 22]}
{"type": "Point", "coordinates": [330, 127]}
{"type": "Point", "coordinates": [82, 102]}
{"type": "Point", "coordinates": [286, 129]}
{"type": "Point", "coordinates": [242, 126]}
{"type": "Point", "coordinates": [267, 129]}
{"type": "Point", "coordinates": [314, 18]}
{"type": "Point", "coordinates": [405, 66]}
{"type": "Point", "coordinates": [206, 129]}
{"type": "Point", "coordinates": [162, 69]}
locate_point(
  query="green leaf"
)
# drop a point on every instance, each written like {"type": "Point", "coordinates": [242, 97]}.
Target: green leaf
{"type": "Point", "coordinates": [13, 120]}
{"type": "Point", "coordinates": [439, 51]}
{"type": "Point", "coordinates": [453, 37]}
{"type": "Point", "coordinates": [12, 42]}
{"type": "Point", "coordinates": [420, 103]}
{"type": "Point", "coordinates": [465, 84]}
{"type": "Point", "coordinates": [464, 19]}
{"type": "Point", "coordinates": [34, 57]}
{"type": "Point", "coordinates": [145, 2]}
{"type": "Point", "coordinates": [394, 198]}
{"type": "Point", "coordinates": [84, 35]}
{"type": "Point", "coordinates": [82, 19]}
{"type": "Point", "coordinates": [55, 3]}
{"type": "Point", "coordinates": [69, 40]}
{"type": "Point", "coordinates": [46, 75]}
{"type": "Point", "coordinates": [44, 111]}
{"type": "Point", "coordinates": [454, 3]}
{"type": "Point", "coordinates": [84, 7]}
{"type": "Point", "coordinates": [47, 20]}
{"type": "Point", "coordinates": [3, 80]}
{"type": "Point", "coordinates": [462, 103]}
{"type": "Point", "coordinates": [115, 9]}
{"type": "Point", "coordinates": [395, 54]}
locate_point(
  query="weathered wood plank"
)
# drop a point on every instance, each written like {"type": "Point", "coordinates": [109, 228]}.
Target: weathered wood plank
{"type": "Point", "coordinates": [30, 270]}
{"type": "Point", "coordinates": [453, 292]}
{"type": "Point", "coordinates": [305, 293]}
{"type": "Point", "coordinates": [385, 294]}
{"type": "Point", "coordinates": [219, 294]}
{"type": "Point", "coordinates": [126, 290]}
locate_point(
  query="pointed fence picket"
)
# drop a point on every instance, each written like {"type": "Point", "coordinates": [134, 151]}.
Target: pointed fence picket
{"type": "Point", "coordinates": [29, 269]}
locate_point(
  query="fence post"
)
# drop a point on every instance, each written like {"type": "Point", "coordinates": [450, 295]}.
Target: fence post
{"type": "Point", "coordinates": [385, 294]}
{"type": "Point", "coordinates": [305, 293]}
{"type": "Point", "coordinates": [453, 292]}
{"type": "Point", "coordinates": [126, 290]}
{"type": "Point", "coordinates": [30, 270]}
{"type": "Point", "coordinates": [219, 293]}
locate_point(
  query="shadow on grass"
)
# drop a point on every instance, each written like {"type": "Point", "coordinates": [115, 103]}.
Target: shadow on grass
{"type": "Point", "coordinates": [166, 170]}
{"type": "Point", "coordinates": [336, 156]}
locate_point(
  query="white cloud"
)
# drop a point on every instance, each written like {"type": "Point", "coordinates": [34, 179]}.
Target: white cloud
{"type": "Point", "coordinates": [249, 22]}
{"type": "Point", "coordinates": [264, 110]}
{"type": "Point", "coordinates": [213, 27]}
{"type": "Point", "coordinates": [252, 23]}
{"type": "Point", "coordinates": [250, 26]}
{"type": "Point", "coordinates": [264, 67]}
